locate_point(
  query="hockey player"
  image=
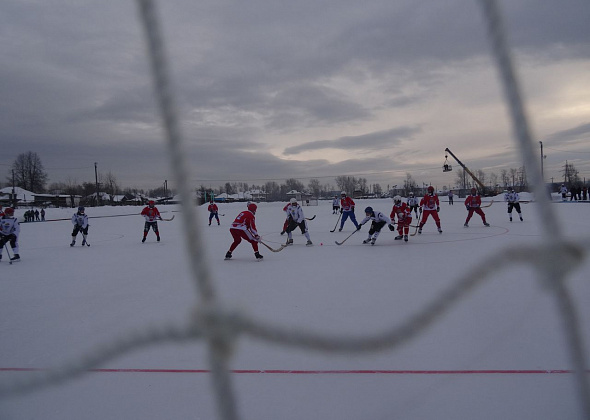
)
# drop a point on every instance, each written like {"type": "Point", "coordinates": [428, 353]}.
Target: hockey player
{"type": "Point", "coordinates": [413, 203]}
{"type": "Point", "coordinates": [288, 218]}
{"type": "Point", "coordinates": [473, 204]}
{"type": "Point", "coordinates": [378, 221]}
{"type": "Point", "coordinates": [512, 198]}
{"type": "Point", "coordinates": [563, 191]}
{"type": "Point", "coordinates": [9, 232]}
{"type": "Point", "coordinates": [213, 212]}
{"type": "Point", "coordinates": [1, 212]}
{"type": "Point", "coordinates": [296, 219]}
{"type": "Point", "coordinates": [151, 215]}
{"type": "Point", "coordinates": [80, 222]}
{"type": "Point", "coordinates": [404, 218]}
{"type": "Point", "coordinates": [430, 207]}
{"type": "Point", "coordinates": [244, 227]}
{"type": "Point", "coordinates": [347, 210]}
{"type": "Point", "coordinates": [335, 205]}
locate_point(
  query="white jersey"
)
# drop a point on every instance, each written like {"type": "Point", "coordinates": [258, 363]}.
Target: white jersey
{"type": "Point", "coordinates": [295, 212]}
{"type": "Point", "coordinates": [413, 201]}
{"type": "Point", "coordinates": [511, 197]}
{"type": "Point", "coordinates": [9, 226]}
{"type": "Point", "coordinates": [376, 217]}
{"type": "Point", "coordinates": [80, 220]}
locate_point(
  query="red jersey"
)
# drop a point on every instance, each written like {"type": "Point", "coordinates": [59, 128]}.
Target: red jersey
{"type": "Point", "coordinates": [429, 202]}
{"type": "Point", "coordinates": [151, 214]}
{"type": "Point", "coordinates": [473, 201]}
{"type": "Point", "coordinates": [347, 204]}
{"type": "Point", "coordinates": [402, 211]}
{"type": "Point", "coordinates": [213, 208]}
{"type": "Point", "coordinates": [246, 222]}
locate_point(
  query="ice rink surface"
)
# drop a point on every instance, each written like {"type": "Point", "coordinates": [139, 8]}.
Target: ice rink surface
{"type": "Point", "coordinates": [499, 353]}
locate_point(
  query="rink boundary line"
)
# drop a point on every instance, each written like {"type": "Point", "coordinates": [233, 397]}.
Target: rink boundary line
{"type": "Point", "coordinates": [326, 372]}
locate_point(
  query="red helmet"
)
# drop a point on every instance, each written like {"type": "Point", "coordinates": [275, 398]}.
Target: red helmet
{"type": "Point", "coordinates": [473, 191]}
{"type": "Point", "coordinates": [9, 211]}
{"type": "Point", "coordinates": [151, 202]}
{"type": "Point", "coordinates": [252, 207]}
{"type": "Point", "coordinates": [431, 189]}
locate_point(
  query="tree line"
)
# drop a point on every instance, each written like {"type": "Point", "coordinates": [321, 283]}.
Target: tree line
{"type": "Point", "coordinates": [28, 173]}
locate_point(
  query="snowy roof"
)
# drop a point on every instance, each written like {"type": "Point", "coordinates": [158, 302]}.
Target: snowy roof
{"type": "Point", "coordinates": [21, 194]}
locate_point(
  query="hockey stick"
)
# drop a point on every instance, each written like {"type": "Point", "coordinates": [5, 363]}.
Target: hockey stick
{"type": "Point", "coordinates": [345, 239]}
{"type": "Point", "coordinates": [8, 253]}
{"type": "Point", "coordinates": [167, 220]}
{"type": "Point", "coordinates": [333, 230]}
{"type": "Point", "coordinates": [491, 202]}
{"type": "Point", "coordinates": [310, 218]}
{"type": "Point", "coordinates": [418, 226]}
{"type": "Point", "coordinates": [272, 249]}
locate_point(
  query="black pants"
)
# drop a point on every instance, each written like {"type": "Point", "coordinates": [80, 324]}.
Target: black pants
{"type": "Point", "coordinates": [376, 227]}
{"type": "Point", "coordinates": [293, 225]}
{"type": "Point", "coordinates": [80, 229]}
{"type": "Point", "coordinates": [4, 239]}
{"type": "Point", "coordinates": [513, 206]}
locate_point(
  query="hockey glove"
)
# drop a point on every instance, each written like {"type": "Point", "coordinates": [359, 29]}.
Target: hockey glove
{"type": "Point", "coordinates": [391, 227]}
{"type": "Point", "coordinates": [341, 210]}
{"type": "Point", "coordinates": [437, 209]}
{"type": "Point", "coordinates": [358, 227]}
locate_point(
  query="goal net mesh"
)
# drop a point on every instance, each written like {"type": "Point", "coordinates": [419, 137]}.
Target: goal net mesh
{"type": "Point", "coordinates": [219, 327]}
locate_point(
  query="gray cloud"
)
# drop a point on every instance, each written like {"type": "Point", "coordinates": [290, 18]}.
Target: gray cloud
{"type": "Point", "coordinates": [76, 88]}
{"type": "Point", "coordinates": [572, 134]}
{"type": "Point", "coordinates": [371, 141]}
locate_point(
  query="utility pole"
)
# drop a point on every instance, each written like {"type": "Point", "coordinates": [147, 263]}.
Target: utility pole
{"type": "Point", "coordinates": [96, 179]}
{"type": "Point", "coordinates": [13, 195]}
{"type": "Point", "coordinates": [542, 157]}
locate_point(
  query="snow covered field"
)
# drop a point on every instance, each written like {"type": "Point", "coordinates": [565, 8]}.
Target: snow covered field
{"type": "Point", "coordinates": [498, 354]}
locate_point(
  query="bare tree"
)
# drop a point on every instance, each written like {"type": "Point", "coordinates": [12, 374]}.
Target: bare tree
{"type": "Point", "coordinates": [513, 175]}
{"type": "Point", "coordinates": [346, 183]}
{"type": "Point", "coordinates": [409, 183]}
{"type": "Point", "coordinates": [505, 178]}
{"type": "Point", "coordinates": [29, 173]}
{"type": "Point", "coordinates": [461, 179]}
{"type": "Point", "coordinates": [314, 187]}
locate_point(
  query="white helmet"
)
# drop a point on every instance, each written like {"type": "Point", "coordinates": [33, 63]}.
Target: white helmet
{"type": "Point", "coordinates": [343, 193]}
{"type": "Point", "coordinates": [293, 200]}
{"type": "Point", "coordinates": [411, 194]}
{"type": "Point", "coordinates": [397, 199]}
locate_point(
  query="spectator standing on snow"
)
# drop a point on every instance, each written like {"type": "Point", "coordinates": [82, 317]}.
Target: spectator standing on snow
{"type": "Point", "coordinates": [451, 197]}
{"type": "Point", "coordinates": [9, 232]}
{"type": "Point", "coordinates": [244, 227]}
{"type": "Point", "coordinates": [80, 222]}
{"type": "Point", "coordinates": [151, 215]}
{"type": "Point", "coordinates": [512, 198]}
{"type": "Point", "coordinates": [473, 204]}
{"type": "Point", "coordinates": [42, 215]}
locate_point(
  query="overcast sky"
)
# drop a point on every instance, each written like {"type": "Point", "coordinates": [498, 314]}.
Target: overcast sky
{"type": "Point", "coordinates": [271, 89]}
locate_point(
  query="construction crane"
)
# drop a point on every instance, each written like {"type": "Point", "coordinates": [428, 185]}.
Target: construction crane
{"type": "Point", "coordinates": [447, 168]}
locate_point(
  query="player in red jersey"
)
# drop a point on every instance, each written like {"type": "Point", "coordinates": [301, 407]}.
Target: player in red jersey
{"type": "Point", "coordinates": [430, 207]}
{"type": "Point", "coordinates": [244, 227]}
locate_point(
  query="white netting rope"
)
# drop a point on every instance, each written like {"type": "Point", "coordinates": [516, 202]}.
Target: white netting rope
{"type": "Point", "coordinates": [221, 327]}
